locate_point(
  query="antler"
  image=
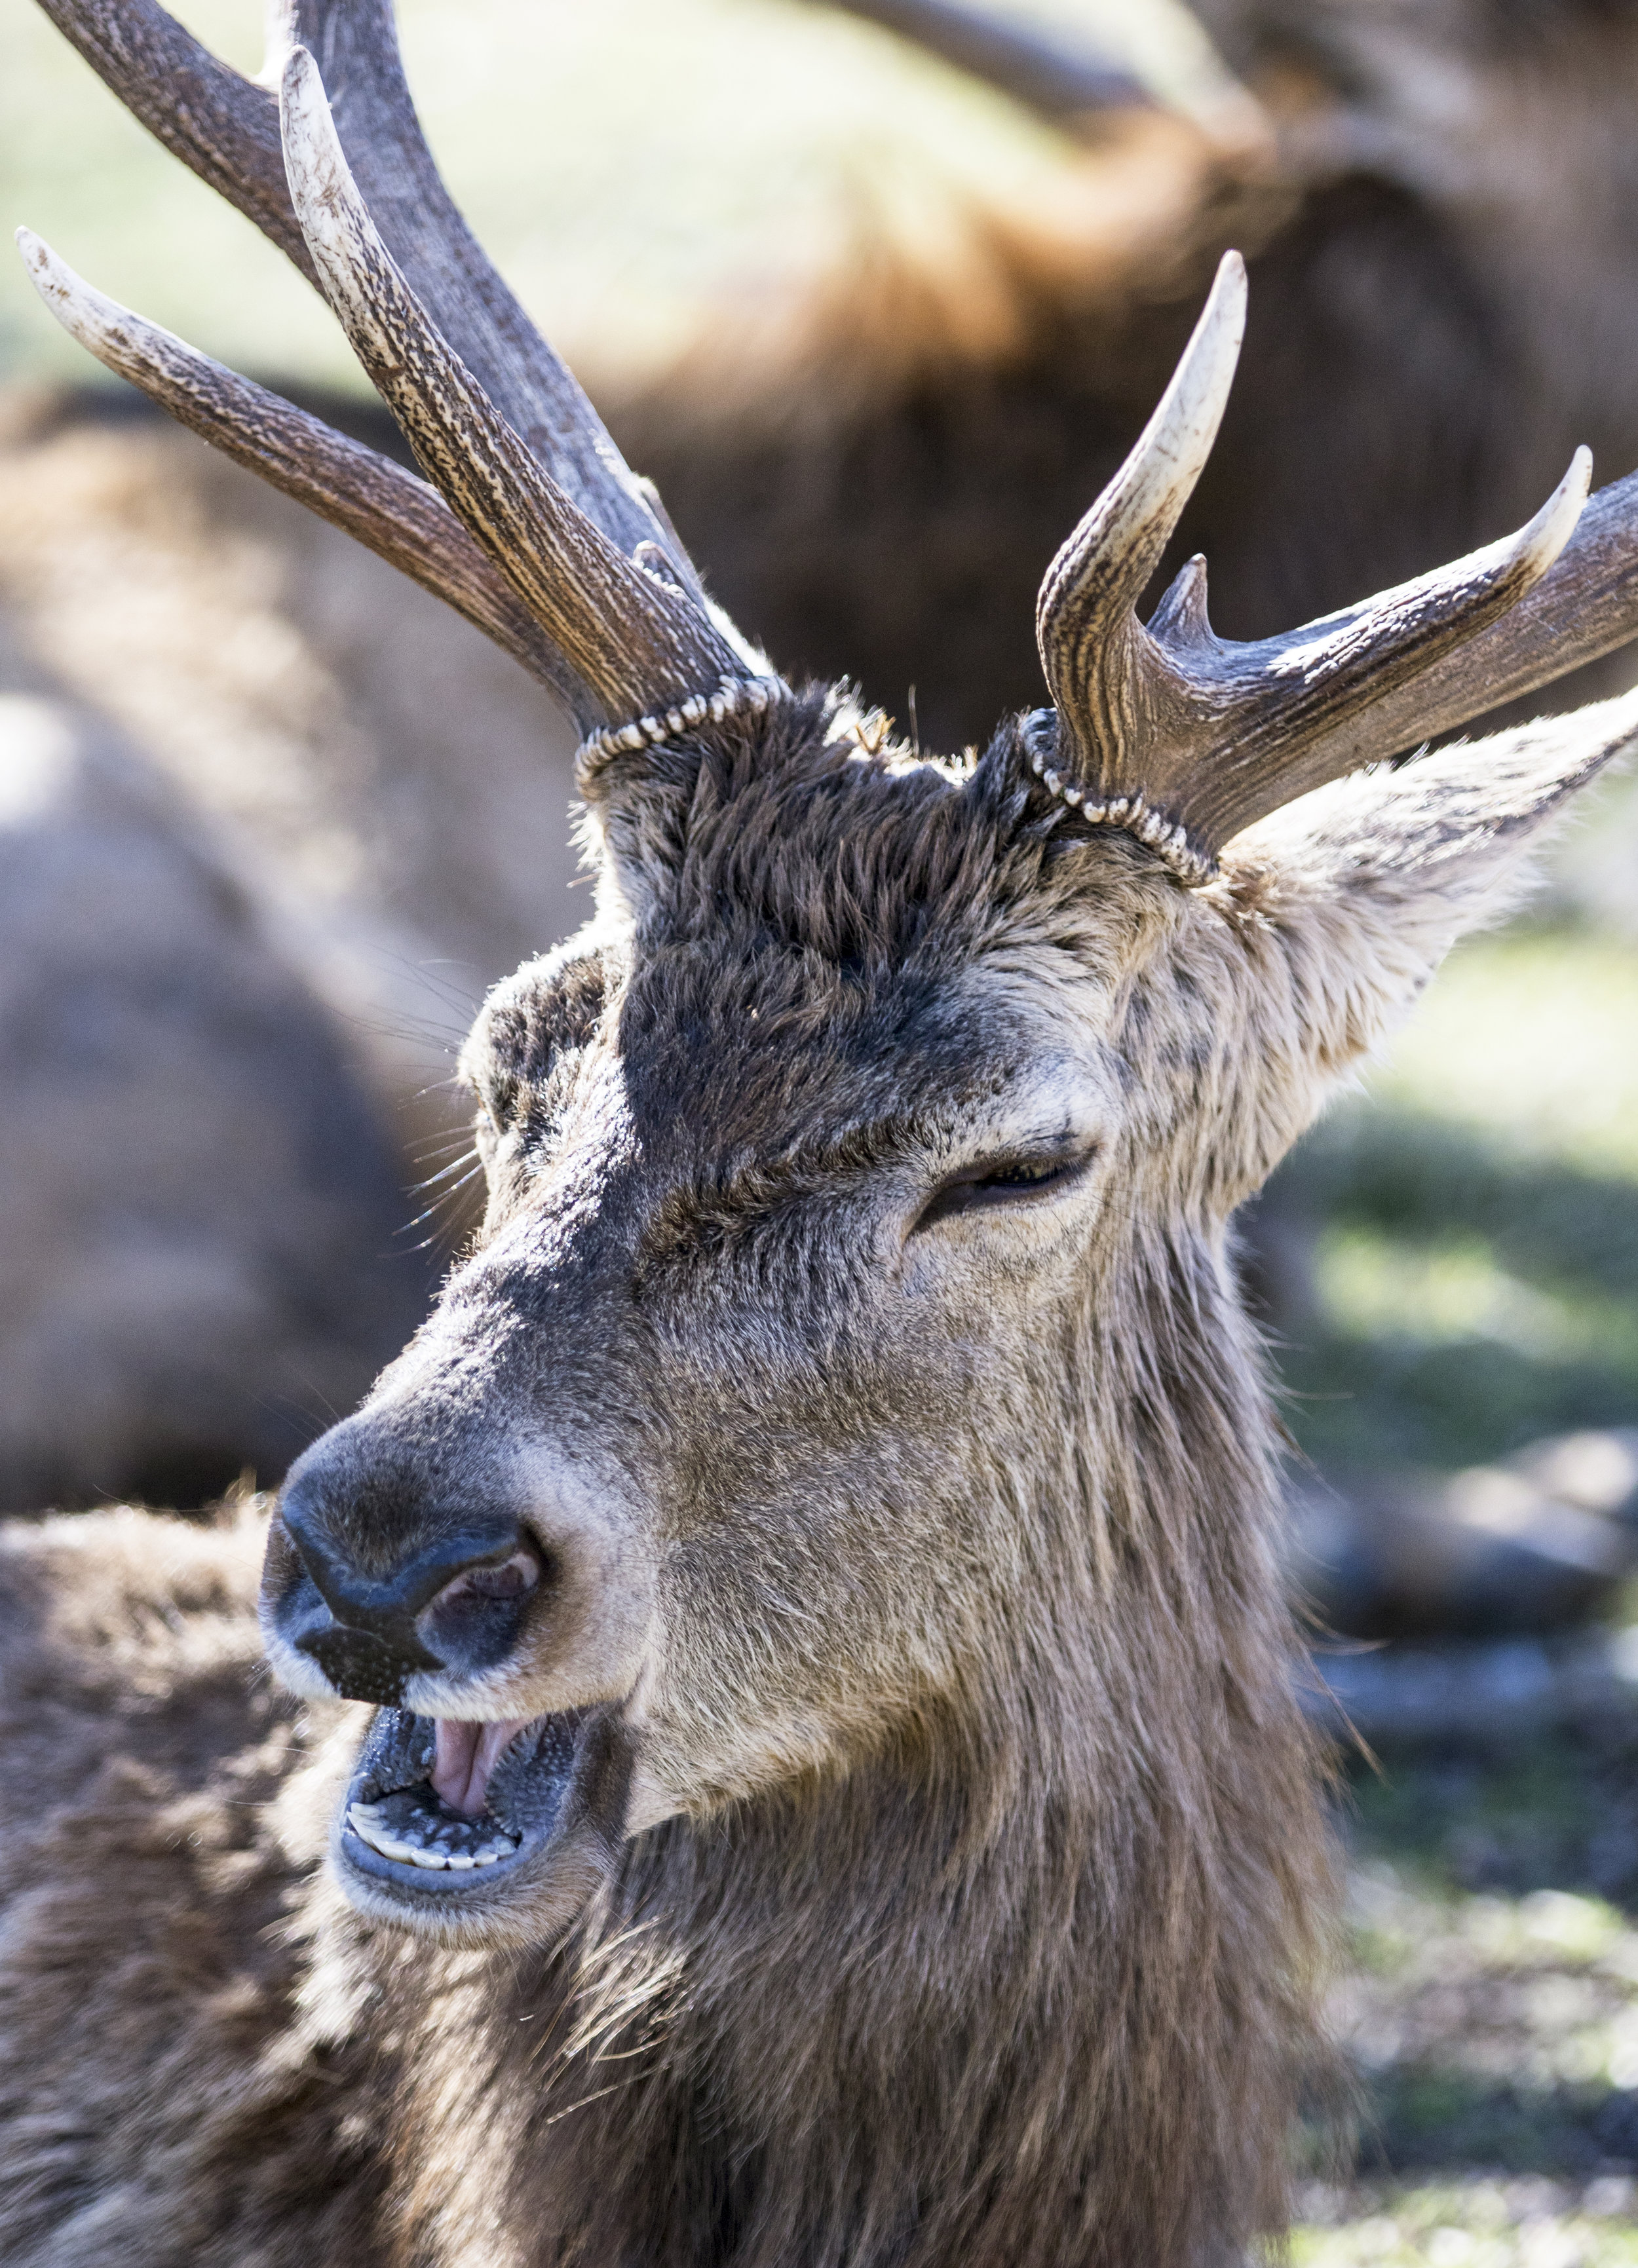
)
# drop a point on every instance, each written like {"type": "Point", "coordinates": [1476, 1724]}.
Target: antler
{"type": "Point", "coordinates": [1066, 75]}
{"type": "Point", "coordinates": [611, 610]}
{"type": "Point", "coordinates": [1186, 737]}
{"type": "Point", "coordinates": [227, 130]}
{"type": "Point", "coordinates": [627, 634]}
{"type": "Point", "coordinates": [386, 508]}
{"type": "Point", "coordinates": [1055, 69]}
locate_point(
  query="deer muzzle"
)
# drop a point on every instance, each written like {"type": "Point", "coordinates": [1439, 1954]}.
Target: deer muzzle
{"type": "Point", "coordinates": [406, 1567]}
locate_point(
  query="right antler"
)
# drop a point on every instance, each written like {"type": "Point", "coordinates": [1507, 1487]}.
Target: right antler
{"type": "Point", "coordinates": [1184, 737]}
{"type": "Point", "coordinates": [585, 579]}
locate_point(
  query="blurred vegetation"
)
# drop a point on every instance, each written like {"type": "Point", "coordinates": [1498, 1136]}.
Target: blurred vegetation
{"type": "Point", "coordinates": [1489, 2006]}
{"type": "Point", "coordinates": [1478, 2224]}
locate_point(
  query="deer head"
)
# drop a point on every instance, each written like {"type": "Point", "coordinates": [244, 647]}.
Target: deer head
{"type": "Point", "coordinates": [849, 1364]}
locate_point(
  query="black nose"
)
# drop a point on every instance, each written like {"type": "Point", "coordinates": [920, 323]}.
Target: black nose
{"type": "Point", "coordinates": [368, 1631]}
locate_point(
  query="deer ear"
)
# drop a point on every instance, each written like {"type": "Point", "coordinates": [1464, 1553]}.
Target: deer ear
{"type": "Point", "coordinates": [1438, 836]}
{"type": "Point", "coordinates": [1344, 903]}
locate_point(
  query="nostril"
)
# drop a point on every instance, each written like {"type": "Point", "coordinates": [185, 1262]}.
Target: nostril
{"type": "Point", "coordinates": [476, 1618]}
{"type": "Point", "coordinates": [513, 1579]}
{"type": "Point", "coordinates": [369, 1572]}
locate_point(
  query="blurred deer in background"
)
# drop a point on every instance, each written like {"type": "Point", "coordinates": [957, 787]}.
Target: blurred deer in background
{"type": "Point", "coordinates": [832, 1786]}
{"type": "Point", "coordinates": [200, 1201]}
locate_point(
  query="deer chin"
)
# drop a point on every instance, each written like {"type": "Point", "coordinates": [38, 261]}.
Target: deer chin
{"type": "Point", "coordinates": [529, 1819]}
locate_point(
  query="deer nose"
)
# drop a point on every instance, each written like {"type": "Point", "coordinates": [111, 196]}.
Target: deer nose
{"type": "Point", "coordinates": [452, 1605]}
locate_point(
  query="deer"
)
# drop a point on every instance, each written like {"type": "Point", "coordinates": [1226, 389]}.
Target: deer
{"type": "Point", "coordinates": [792, 1744]}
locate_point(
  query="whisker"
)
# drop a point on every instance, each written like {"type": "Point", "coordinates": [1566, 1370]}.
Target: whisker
{"type": "Point", "coordinates": [467, 1157]}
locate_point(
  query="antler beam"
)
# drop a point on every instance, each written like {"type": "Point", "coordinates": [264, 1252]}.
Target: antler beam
{"type": "Point", "coordinates": [565, 558]}
{"type": "Point", "coordinates": [629, 635]}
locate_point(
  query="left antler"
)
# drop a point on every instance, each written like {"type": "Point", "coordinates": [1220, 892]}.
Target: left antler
{"type": "Point", "coordinates": [1185, 738]}
{"type": "Point", "coordinates": [227, 129]}
{"type": "Point", "coordinates": [629, 636]}
{"type": "Point", "coordinates": [577, 569]}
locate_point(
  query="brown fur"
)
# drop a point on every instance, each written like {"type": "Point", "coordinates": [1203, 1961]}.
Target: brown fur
{"type": "Point", "coordinates": [157, 2105]}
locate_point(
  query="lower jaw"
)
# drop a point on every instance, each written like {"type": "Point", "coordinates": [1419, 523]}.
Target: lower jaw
{"type": "Point", "coordinates": [555, 1816]}
{"type": "Point", "coordinates": [435, 1855]}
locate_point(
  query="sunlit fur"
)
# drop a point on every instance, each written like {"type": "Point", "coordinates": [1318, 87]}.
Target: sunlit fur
{"type": "Point", "coordinates": [986, 1887]}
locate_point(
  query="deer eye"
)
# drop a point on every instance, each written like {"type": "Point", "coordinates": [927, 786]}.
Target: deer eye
{"type": "Point", "coordinates": [1001, 1180]}
{"type": "Point", "coordinates": [496, 1099]}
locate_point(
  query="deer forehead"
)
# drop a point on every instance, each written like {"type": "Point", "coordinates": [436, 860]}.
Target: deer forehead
{"type": "Point", "coordinates": [833, 936]}
{"type": "Point", "coordinates": [699, 1055]}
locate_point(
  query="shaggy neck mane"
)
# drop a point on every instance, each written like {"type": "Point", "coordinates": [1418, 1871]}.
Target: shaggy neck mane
{"type": "Point", "coordinates": [1086, 1881]}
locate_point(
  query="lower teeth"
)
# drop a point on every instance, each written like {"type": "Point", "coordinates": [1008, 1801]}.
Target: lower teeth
{"type": "Point", "coordinates": [366, 1820]}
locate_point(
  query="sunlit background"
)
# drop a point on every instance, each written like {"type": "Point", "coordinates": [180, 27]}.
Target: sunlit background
{"type": "Point", "coordinates": [624, 163]}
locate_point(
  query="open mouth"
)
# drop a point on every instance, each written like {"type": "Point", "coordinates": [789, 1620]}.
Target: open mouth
{"type": "Point", "coordinates": [439, 1807]}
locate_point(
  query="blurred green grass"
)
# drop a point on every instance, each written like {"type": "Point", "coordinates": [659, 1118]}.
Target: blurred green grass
{"type": "Point", "coordinates": [1489, 2006]}
{"type": "Point", "coordinates": [1476, 1209]}
{"type": "Point", "coordinates": [1479, 2224]}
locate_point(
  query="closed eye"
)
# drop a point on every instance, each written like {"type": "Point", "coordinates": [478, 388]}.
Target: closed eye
{"type": "Point", "coordinates": [1000, 1182]}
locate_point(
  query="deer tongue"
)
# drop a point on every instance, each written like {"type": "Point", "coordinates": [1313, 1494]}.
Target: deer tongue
{"type": "Point", "coordinates": [464, 1754]}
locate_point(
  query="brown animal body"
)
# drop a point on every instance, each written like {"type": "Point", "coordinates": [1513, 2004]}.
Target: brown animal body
{"type": "Point", "coordinates": [832, 1786]}
{"type": "Point", "coordinates": [328, 794]}
{"type": "Point", "coordinates": [199, 1208]}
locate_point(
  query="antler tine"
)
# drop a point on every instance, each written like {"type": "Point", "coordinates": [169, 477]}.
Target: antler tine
{"type": "Point", "coordinates": [216, 122]}
{"type": "Point", "coordinates": [398, 516]}
{"type": "Point", "coordinates": [1286, 693]}
{"type": "Point", "coordinates": [1585, 606]}
{"type": "Point", "coordinates": [1195, 734]}
{"type": "Point", "coordinates": [227, 130]}
{"type": "Point", "coordinates": [1085, 627]}
{"type": "Point", "coordinates": [629, 637]}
